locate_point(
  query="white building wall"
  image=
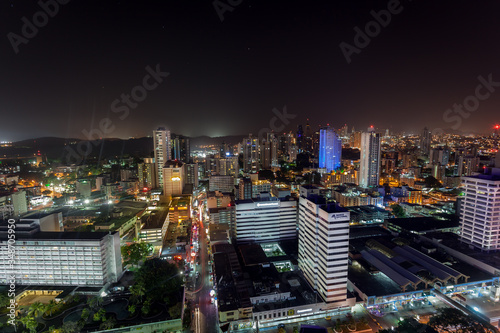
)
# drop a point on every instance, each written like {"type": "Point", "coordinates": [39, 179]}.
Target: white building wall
{"type": "Point", "coordinates": [262, 221]}
{"type": "Point", "coordinates": [480, 213]}
{"type": "Point", "coordinates": [323, 250]}
{"type": "Point", "coordinates": [59, 262]}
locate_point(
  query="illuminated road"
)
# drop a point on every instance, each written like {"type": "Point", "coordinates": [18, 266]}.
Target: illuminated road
{"type": "Point", "coordinates": [206, 317]}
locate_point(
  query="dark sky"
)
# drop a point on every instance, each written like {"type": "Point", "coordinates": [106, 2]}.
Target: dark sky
{"type": "Point", "coordinates": [226, 77]}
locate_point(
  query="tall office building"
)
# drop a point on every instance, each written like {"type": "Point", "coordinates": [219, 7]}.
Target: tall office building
{"type": "Point", "coordinates": [181, 149]}
{"type": "Point", "coordinates": [147, 173]}
{"type": "Point", "coordinates": [162, 152]}
{"type": "Point", "coordinates": [174, 174]}
{"type": "Point", "coordinates": [228, 166]}
{"type": "Point", "coordinates": [324, 248]}
{"type": "Point", "coordinates": [192, 175]}
{"type": "Point", "coordinates": [440, 155]}
{"type": "Point", "coordinates": [269, 151]}
{"type": "Point", "coordinates": [369, 173]}
{"type": "Point", "coordinates": [330, 150]}
{"type": "Point", "coordinates": [308, 134]}
{"type": "Point", "coordinates": [300, 138]}
{"type": "Point", "coordinates": [425, 141]}
{"type": "Point", "coordinates": [479, 212]}
{"type": "Point", "coordinates": [356, 139]}
{"type": "Point", "coordinates": [251, 150]}
{"type": "Point", "coordinates": [267, 219]}
{"type": "Point", "coordinates": [467, 165]}
{"type": "Point", "coordinates": [244, 189]}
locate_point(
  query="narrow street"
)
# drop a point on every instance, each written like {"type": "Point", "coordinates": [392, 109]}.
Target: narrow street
{"type": "Point", "coordinates": [205, 319]}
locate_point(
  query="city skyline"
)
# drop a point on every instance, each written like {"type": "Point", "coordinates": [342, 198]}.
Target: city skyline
{"type": "Point", "coordinates": [65, 79]}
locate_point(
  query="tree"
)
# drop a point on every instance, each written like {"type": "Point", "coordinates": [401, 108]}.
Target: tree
{"type": "Point", "coordinates": [398, 211]}
{"type": "Point", "coordinates": [108, 324]}
{"type": "Point", "coordinates": [70, 327]}
{"type": "Point", "coordinates": [159, 278]}
{"type": "Point", "coordinates": [131, 309]}
{"type": "Point", "coordinates": [146, 307]}
{"type": "Point", "coordinates": [4, 300]}
{"type": "Point", "coordinates": [175, 311]}
{"type": "Point", "coordinates": [138, 290]}
{"type": "Point", "coordinates": [50, 306]}
{"type": "Point", "coordinates": [186, 320]}
{"type": "Point", "coordinates": [85, 314]}
{"type": "Point", "coordinates": [29, 322]}
{"type": "Point", "coordinates": [36, 309]}
{"type": "Point", "coordinates": [135, 252]}
{"type": "Point", "coordinates": [95, 302]}
{"type": "Point", "coordinates": [99, 314]}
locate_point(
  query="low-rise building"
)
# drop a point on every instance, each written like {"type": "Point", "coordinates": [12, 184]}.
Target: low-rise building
{"type": "Point", "coordinates": [62, 258]}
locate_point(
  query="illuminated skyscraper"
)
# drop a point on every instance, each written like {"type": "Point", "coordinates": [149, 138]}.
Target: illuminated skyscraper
{"type": "Point", "coordinates": [180, 148]}
{"type": "Point", "coordinates": [330, 149]}
{"type": "Point", "coordinates": [425, 142]}
{"type": "Point", "coordinates": [251, 151]}
{"type": "Point", "coordinates": [300, 138]}
{"type": "Point", "coordinates": [162, 152]}
{"type": "Point", "coordinates": [370, 159]}
{"type": "Point", "coordinates": [479, 215]}
{"type": "Point", "coordinates": [324, 248]}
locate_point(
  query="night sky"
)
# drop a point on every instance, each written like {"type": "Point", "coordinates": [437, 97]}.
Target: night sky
{"type": "Point", "coordinates": [225, 77]}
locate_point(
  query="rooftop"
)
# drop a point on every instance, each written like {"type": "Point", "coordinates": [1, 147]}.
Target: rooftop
{"type": "Point", "coordinates": [63, 236]}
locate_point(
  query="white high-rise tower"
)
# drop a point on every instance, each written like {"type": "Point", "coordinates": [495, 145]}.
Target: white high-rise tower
{"type": "Point", "coordinates": [480, 211]}
{"type": "Point", "coordinates": [324, 248]}
{"type": "Point", "coordinates": [369, 173]}
{"type": "Point", "coordinates": [162, 152]}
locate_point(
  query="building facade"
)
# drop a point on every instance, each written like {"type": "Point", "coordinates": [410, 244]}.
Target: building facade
{"type": "Point", "coordinates": [369, 173]}
{"type": "Point", "coordinates": [324, 248]}
{"type": "Point", "coordinates": [147, 174]}
{"type": "Point", "coordinates": [174, 178]}
{"type": "Point", "coordinates": [330, 150]}
{"type": "Point", "coordinates": [62, 259]}
{"type": "Point", "coordinates": [265, 220]}
{"type": "Point", "coordinates": [480, 211]}
{"type": "Point", "coordinates": [162, 151]}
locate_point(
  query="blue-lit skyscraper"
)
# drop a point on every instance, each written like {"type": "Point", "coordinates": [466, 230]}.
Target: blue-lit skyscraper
{"type": "Point", "coordinates": [330, 149]}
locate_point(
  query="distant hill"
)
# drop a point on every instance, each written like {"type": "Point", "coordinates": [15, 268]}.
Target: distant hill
{"type": "Point", "coordinates": [57, 149]}
{"type": "Point", "coordinates": [64, 150]}
{"type": "Point", "coordinates": [206, 140]}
